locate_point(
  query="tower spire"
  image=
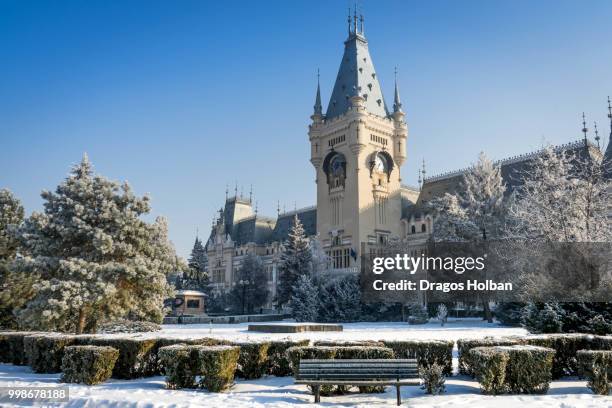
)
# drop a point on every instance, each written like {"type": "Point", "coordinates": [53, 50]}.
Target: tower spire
{"type": "Point", "coordinates": [596, 134]}
{"type": "Point", "coordinates": [318, 108]}
{"type": "Point", "coordinates": [423, 171]}
{"type": "Point", "coordinates": [397, 104]}
{"type": "Point", "coordinates": [584, 128]}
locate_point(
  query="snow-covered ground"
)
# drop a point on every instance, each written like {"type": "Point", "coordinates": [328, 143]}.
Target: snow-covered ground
{"type": "Point", "coordinates": [281, 392]}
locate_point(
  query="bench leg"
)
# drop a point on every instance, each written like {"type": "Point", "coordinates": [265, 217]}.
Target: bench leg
{"type": "Point", "coordinates": [317, 392]}
{"type": "Point", "coordinates": [399, 397]}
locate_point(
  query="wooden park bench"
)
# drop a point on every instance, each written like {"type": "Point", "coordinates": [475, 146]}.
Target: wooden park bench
{"type": "Point", "coordinates": [358, 373]}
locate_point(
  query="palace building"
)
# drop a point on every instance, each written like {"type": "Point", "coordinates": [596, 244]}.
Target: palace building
{"type": "Point", "coordinates": [358, 145]}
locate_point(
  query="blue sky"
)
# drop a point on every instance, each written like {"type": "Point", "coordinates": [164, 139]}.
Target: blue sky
{"type": "Point", "coordinates": [180, 98]}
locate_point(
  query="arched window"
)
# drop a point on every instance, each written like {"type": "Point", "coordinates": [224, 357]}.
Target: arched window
{"type": "Point", "coordinates": [423, 228]}
{"type": "Point", "coordinates": [413, 229]}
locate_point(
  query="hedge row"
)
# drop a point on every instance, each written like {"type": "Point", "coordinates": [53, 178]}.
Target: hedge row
{"type": "Point", "coordinates": [427, 352]}
{"type": "Point", "coordinates": [278, 362]}
{"type": "Point", "coordinates": [565, 345]}
{"type": "Point", "coordinates": [215, 364]}
{"type": "Point", "coordinates": [465, 345]}
{"type": "Point", "coordinates": [516, 369]}
{"type": "Point", "coordinates": [88, 364]}
{"type": "Point", "coordinates": [44, 352]}
{"type": "Point", "coordinates": [11, 347]}
{"type": "Point", "coordinates": [596, 367]}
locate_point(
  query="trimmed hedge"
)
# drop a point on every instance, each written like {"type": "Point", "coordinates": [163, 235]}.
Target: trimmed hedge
{"type": "Point", "coordinates": [253, 362]}
{"type": "Point", "coordinates": [519, 369]}
{"type": "Point", "coordinates": [218, 365]}
{"type": "Point", "coordinates": [465, 345]}
{"type": "Point", "coordinates": [166, 341]}
{"type": "Point", "coordinates": [11, 347]}
{"type": "Point", "coordinates": [427, 352]}
{"type": "Point", "coordinates": [215, 364]}
{"type": "Point", "coordinates": [295, 354]}
{"type": "Point", "coordinates": [44, 352]}
{"type": "Point", "coordinates": [88, 364]}
{"type": "Point", "coordinates": [180, 363]}
{"type": "Point", "coordinates": [137, 357]}
{"type": "Point", "coordinates": [566, 346]}
{"type": "Point", "coordinates": [278, 363]}
{"type": "Point", "coordinates": [596, 367]}
{"type": "Point", "coordinates": [489, 365]}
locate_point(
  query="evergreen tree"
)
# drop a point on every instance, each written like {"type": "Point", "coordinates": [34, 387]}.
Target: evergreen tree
{"type": "Point", "coordinates": [305, 300]}
{"type": "Point", "coordinates": [96, 258]}
{"type": "Point", "coordinates": [15, 289]}
{"type": "Point", "coordinates": [295, 260]}
{"type": "Point", "coordinates": [341, 300]}
{"type": "Point", "coordinates": [250, 290]}
{"type": "Point", "coordinates": [197, 277]}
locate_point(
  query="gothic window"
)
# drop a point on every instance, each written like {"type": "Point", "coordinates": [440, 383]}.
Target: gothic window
{"type": "Point", "coordinates": [413, 229]}
{"type": "Point", "coordinates": [423, 228]}
{"type": "Point", "coordinates": [334, 167]}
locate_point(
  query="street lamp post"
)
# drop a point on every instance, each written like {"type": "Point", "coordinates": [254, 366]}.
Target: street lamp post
{"type": "Point", "coordinates": [244, 284]}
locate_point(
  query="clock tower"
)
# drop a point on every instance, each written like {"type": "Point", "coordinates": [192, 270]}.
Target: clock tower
{"type": "Point", "coordinates": [357, 149]}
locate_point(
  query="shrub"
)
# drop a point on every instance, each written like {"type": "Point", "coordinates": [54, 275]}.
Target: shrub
{"type": "Point", "coordinates": [295, 354]}
{"type": "Point", "coordinates": [217, 365]}
{"type": "Point", "coordinates": [88, 364]}
{"type": "Point", "coordinates": [433, 378]}
{"type": "Point", "coordinates": [543, 318]}
{"type": "Point", "coordinates": [518, 369]}
{"type": "Point", "coordinates": [566, 346]}
{"type": "Point", "coordinates": [465, 345]}
{"type": "Point", "coordinates": [137, 357]}
{"type": "Point", "coordinates": [427, 352]}
{"type": "Point", "coordinates": [489, 365]}
{"type": "Point", "coordinates": [165, 341]}
{"type": "Point", "coordinates": [417, 314]}
{"type": "Point", "coordinates": [278, 362]}
{"type": "Point", "coordinates": [602, 343]}
{"type": "Point", "coordinates": [596, 367]}
{"type": "Point", "coordinates": [128, 326]}
{"type": "Point", "coordinates": [44, 352]}
{"type": "Point", "coordinates": [253, 362]}
{"type": "Point", "coordinates": [11, 347]}
{"type": "Point", "coordinates": [180, 363]}
{"type": "Point", "coordinates": [529, 369]}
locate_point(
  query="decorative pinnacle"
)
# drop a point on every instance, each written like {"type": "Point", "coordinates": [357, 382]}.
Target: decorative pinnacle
{"type": "Point", "coordinates": [318, 108]}
{"type": "Point", "coordinates": [423, 171]}
{"type": "Point", "coordinates": [251, 194]}
{"type": "Point", "coordinates": [397, 104]}
{"type": "Point", "coordinates": [349, 21]}
{"type": "Point", "coordinates": [596, 133]}
{"type": "Point", "coordinates": [361, 19]}
{"type": "Point", "coordinates": [355, 19]}
{"type": "Point", "coordinates": [584, 128]}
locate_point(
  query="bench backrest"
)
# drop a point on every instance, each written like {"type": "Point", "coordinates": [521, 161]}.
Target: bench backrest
{"type": "Point", "coordinates": [358, 369]}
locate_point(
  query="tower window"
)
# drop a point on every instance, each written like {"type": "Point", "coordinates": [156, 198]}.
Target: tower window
{"type": "Point", "coordinates": [413, 229]}
{"type": "Point", "coordinates": [423, 228]}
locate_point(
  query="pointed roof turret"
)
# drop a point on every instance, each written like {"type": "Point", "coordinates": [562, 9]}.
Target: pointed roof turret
{"type": "Point", "coordinates": [607, 162]}
{"type": "Point", "coordinates": [356, 77]}
{"type": "Point", "coordinates": [397, 103]}
{"type": "Point", "coordinates": [318, 108]}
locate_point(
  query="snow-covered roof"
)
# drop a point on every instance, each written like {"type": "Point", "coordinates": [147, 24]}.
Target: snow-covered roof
{"type": "Point", "coordinates": [190, 293]}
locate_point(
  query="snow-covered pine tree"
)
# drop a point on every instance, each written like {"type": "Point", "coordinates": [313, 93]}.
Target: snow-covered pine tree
{"type": "Point", "coordinates": [295, 260]}
{"type": "Point", "coordinates": [15, 288]}
{"type": "Point", "coordinates": [197, 277]}
{"type": "Point", "coordinates": [341, 300]}
{"type": "Point", "coordinates": [305, 300]}
{"type": "Point", "coordinates": [250, 290]}
{"type": "Point", "coordinates": [96, 258]}
{"type": "Point", "coordinates": [11, 215]}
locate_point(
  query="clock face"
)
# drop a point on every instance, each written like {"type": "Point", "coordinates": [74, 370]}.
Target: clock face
{"type": "Point", "coordinates": [379, 164]}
